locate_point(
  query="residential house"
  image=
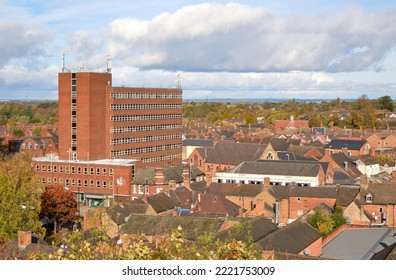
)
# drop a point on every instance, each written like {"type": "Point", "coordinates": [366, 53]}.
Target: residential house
{"type": "Point", "coordinates": [153, 180]}
{"type": "Point", "coordinates": [374, 205]}
{"type": "Point", "coordinates": [36, 146]}
{"type": "Point", "coordinates": [349, 147]}
{"type": "Point", "coordinates": [227, 155]}
{"type": "Point", "coordinates": [367, 165]}
{"type": "Point", "coordinates": [291, 125]}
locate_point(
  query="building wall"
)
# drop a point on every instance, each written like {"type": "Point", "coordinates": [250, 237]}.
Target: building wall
{"type": "Point", "coordinates": [298, 206]}
{"type": "Point", "coordinates": [315, 248]}
{"type": "Point", "coordinates": [88, 178]}
{"type": "Point", "coordinates": [144, 123]}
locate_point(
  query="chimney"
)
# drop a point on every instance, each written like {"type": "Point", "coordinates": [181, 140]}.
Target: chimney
{"type": "Point", "coordinates": [267, 182]}
{"type": "Point", "coordinates": [24, 238]}
{"type": "Point", "coordinates": [186, 175]}
{"type": "Point", "coordinates": [159, 176]}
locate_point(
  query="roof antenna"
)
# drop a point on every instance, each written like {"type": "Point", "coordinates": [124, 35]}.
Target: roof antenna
{"type": "Point", "coordinates": [179, 81]}
{"type": "Point", "coordinates": [108, 67]}
{"type": "Point", "coordinates": [63, 63]}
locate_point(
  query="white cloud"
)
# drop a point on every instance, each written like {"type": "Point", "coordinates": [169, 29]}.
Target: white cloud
{"type": "Point", "coordinates": [235, 37]}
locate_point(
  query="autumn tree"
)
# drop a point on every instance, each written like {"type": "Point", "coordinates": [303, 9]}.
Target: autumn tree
{"type": "Point", "coordinates": [326, 222]}
{"type": "Point", "coordinates": [59, 205]}
{"type": "Point", "coordinates": [385, 102]}
{"type": "Point", "coordinates": [20, 197]}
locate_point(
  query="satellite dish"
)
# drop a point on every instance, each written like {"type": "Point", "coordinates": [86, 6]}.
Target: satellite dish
{"type": "Point", "coordinates": [307, 252]}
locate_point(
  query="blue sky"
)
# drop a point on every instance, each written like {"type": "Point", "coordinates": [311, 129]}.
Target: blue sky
{"type": "Point", "coordinates": [222, 49]}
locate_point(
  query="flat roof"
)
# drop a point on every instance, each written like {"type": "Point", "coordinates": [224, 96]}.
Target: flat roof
{"type": "Point", "coordinates": [359, 244]}
{"type": "Point", "coordinates": [115, 161]}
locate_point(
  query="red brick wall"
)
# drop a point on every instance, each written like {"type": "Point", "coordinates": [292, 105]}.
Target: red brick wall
{"type": "Point", "coordinates": [306, 204]}
{"type": "Point", "coordinates": [315, 248]}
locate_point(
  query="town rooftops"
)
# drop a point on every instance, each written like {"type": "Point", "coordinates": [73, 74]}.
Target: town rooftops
{"type": "Point", "coordinates": [198, 142]}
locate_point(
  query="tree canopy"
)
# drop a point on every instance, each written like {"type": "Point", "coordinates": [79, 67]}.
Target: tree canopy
{"type": "Point", "coordinates": [20, 197]}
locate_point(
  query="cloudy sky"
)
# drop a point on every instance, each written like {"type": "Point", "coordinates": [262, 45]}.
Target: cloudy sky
{"type": "Point", "coordinates": [221, 49]}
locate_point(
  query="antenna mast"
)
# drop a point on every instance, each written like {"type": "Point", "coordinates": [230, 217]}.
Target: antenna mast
{"type": "Point", "coordinates": [63, 63]}
{"type": "Point", "coordinates": [179, 81]}
{"type": "Point", "coordinates": [108, 67]}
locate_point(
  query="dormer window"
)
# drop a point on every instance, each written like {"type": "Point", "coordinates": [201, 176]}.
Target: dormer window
{"type": "Point", "coordinates": [270, 156]}
{"type": "Point", "coordinates": [369, 198]}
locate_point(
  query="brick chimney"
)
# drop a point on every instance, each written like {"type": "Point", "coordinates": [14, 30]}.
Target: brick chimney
{"type": "Point", "coordinates": [24, 238]}
{"type": "Point", "coordinates": [159, 176]}
{"type": "Point", "coordinates": [267, 182]}
{"type": "Point", "coordinates": [363, 182]}
{"type": "Point", "coordinates": [186, 175]}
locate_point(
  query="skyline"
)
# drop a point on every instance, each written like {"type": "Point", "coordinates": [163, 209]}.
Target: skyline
{"type": "Point", "coordinates": [242, 49]}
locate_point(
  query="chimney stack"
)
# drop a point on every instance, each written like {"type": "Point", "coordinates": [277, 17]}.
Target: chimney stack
{"type": "Point", "coordinates": [24, 238]}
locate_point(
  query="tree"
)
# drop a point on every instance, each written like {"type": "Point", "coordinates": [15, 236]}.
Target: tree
{"type": "Point", "coordinates": [385, 102]}
{"type": "Point", "coordinates": [59, 205]}
{"type": "Point", "coordinates": [325, 222]}
{"type": "Point", "coordinates": [20, 197]}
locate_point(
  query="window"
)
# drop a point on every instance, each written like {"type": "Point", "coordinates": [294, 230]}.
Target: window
{"type": "Point", "coordinates": [60, 181]}
{"type": "Point", "coordinates": [43, 168]}
{"type": "Point", "coordinates": [369, 198]}
{"type": "Point", "coordinates": [298, 199]}
{"type": "Point", "coordinates": [85, 171]}
{"type": "Point", "coordinates": [91, 171]}
{"type": "Point", "coordinates": [97, 171]}
{"type": "Point", "coordinates": [79, 182]}
{"type": "Point", "coordinates": [73, 182]}
{"type": "Point", "coordinates": [49, 181]}
{"type": "Point", "coordinates": [104, 171]}
{"type": "Point", "coordinates": [104, 184]}
{"type": "Point", "coordinates": [91, 183]}
{"type": "Point", "coordinates": [110, 184]}
{"type": "Point", "coordinates": [79, 170]}
{"type": "Point", "coordinates": [55, 180]}
{"type": "Point", "coordinates": [85, 183]}
{"type": "Point", "coordinates": [67, 169]}
{"type": "Point", "coordinates": [97, 183]}
{"type": "Point", "coordinates": [37, 167]}
{"type": "Point", "coordinates": [67, 182]}
{"type": "Point", "coordinates": [60, 169]}
{"type": "Point", "coordinates": [72, 170]}
{"type": "Point", "coordinates": [54, 168]}
{"type": "Point", "coordinates": [270, 156]}
{"type": "Point", "coordinates": [111, 171]}
{"type": "Point", "coordinates": [49, 168]}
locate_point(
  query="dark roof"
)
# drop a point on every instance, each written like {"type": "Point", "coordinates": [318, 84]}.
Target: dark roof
{"type": "Point", "coordinates": [234, 153]}
{"type": "Point", "coordinates": [388, 253]}
{"type": "Point", "coordinates": [346, 195]}
{"type": "Point", "coordinates": [280, 145]}
{"type": "Point", "coordinates": [367, 160]}
{"type": "Point", "coordinates": [349, 144]}
{"type": "Point", "coordinates": [293, 156]}
{"type": "Point", "coordinates": [119, 213]}
{"type": "Point", "coordinates": [278, 167]}
{"type": "Point", "coordinates": [280, 192]}
{"type": "Point", "coordinates": [340, 159]}
{"type": "Point", "coordinates": [243, 190]}
{"type": "Point", "coordinates": [342, 178]}
{"type": "Point", "coordinates": [381, 194]}
{"type": "Point", "coordinates": [198, 142]}
{"type": "Point", "coordinates": [198, 186]}
{"type": "Point", "coordinates": [293, 238]}
{"type": "Point", "coordinates": [318, 192]}
{"type": "Point", "coordinates": [162, 225]}
{"type": "Point", "coordinates": [257, 228]}
{"type": "Point", "coordinates": [161, 202]}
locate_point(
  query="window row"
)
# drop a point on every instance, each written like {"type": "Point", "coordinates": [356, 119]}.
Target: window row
{"type": "Point", "coordinates": [144, 106]}
{"type": "Point", "coordinates": [128, 118]}
{"type": "Point", "coordinates": [67, 182]}
{"type": "Point", "coordinates": [161, 158]}
{"type": "Point", "coordinates": [141, 150]}
{"type": "Point", "coordinates": [53, 168]}
{"type": "Point", "coordinates": [29, 146]}
{"type": "Point", "coordinates": [144, 139]}
{"type": "Point", "coordinates": [128, 129]}
{"type": "Point", "coordinates": [144, 95]}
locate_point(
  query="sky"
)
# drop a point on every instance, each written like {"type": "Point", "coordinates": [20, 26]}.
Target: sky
{"type": "Point", "coordinates": [255, 49]}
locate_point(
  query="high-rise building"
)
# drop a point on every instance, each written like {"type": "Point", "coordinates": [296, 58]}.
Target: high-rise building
{"type": "Point", "coordinates": [98, 121]}
{"type": "Point", "coordinates": [106, 133]}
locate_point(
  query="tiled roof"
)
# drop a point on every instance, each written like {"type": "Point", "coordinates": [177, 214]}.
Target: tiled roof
{"type": "Point", "coordinates": [346, 195]}
{"type": "Point", "coordinates": [230, 189]}
{"type": "Point", "coordinates": [161, 202]}
{"type": "Point", "coordinates": [162, 225]}
{"type": "Point", "coordinates": [349, 144]}
{"type": "Point", "coordinates": [381, 194]}
{"type": "Point", "coordinates": [293, 238]}
{"type": "Point", "coordinates": [198, 142]}
{"type": "Point", "coordinates": [277, 167]}
{"type": "Point", "coordinates": [256, 229]}
{"type": "Point", "coordinates": [234, 153]}
{"type": "Point", "coordinates": [318, 192]}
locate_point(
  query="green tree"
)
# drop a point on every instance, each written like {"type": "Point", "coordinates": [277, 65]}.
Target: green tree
{"type": "Point", "coordinates": [20, 197]}
{"type": "Point", "coordinates": [385, 102]}
{"type": "Point", "coordinates": [325, 222]}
